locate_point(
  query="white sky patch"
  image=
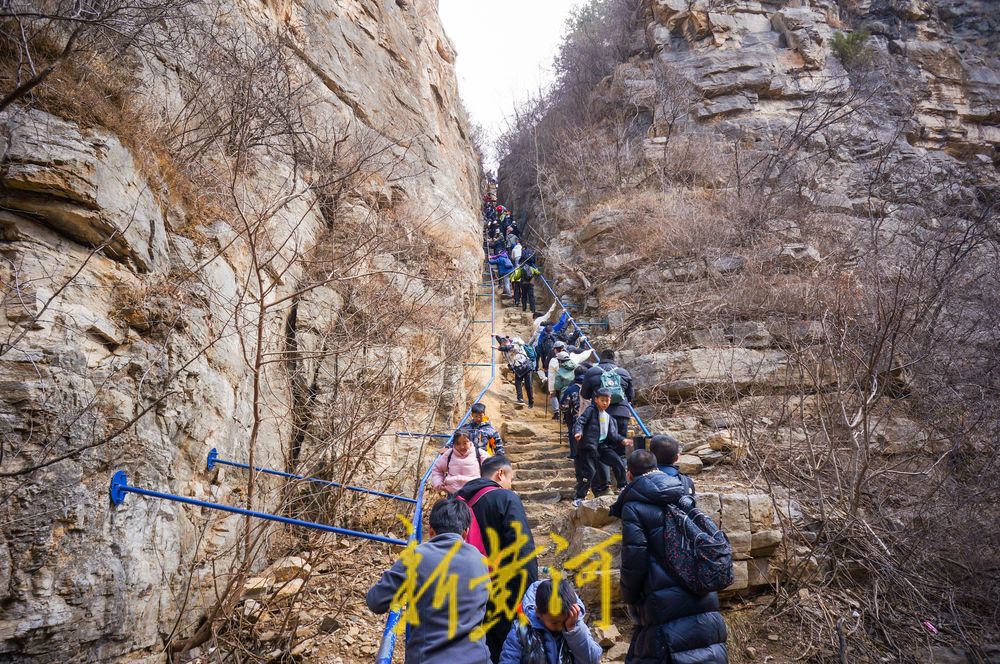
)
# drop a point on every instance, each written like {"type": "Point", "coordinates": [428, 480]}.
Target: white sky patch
{"type": "Point", "coordinates": [505, 52]}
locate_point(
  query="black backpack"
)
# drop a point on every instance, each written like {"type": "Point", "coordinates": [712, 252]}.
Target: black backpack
{"type": "Point", "coordinates": [697, 552]}
{"type": "Point", "coordinates": [569, 404]}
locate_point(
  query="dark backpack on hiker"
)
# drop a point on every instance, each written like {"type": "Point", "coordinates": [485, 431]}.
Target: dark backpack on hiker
{"type": "Point", "coordinates": [546, 346]}
{"type": "Point", "coordinates": [697, 552]}
{"type": "Point", "coordinates": [569, 404]}
{"type": "Point", "coordinates": [612, 381]}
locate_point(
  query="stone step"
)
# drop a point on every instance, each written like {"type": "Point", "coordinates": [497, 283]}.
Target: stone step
{"type": "Point", "coordinates": [546, 495]}
{"type": "Point", "coordinates": [545, 473]}
{"type": "Point", "coordinates": [555, 463]}
{"type": "Point", "coordinates": [554, 482]}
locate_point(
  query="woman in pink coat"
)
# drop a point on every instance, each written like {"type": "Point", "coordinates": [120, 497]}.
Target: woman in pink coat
{"type": "Point", "coordinates": [454, 467]}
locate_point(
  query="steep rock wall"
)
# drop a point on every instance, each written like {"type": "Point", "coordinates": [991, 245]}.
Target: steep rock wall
{"type": "Point", "coordinates": [130, 327]}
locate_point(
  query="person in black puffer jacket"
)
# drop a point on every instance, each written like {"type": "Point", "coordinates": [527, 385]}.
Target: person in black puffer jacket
{"type": "Point", "coordinates": [672, 624]}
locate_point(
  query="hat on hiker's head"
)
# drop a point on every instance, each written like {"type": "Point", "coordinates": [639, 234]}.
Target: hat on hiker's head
{"type": "Point", "coordinates": [562, 355]}
{"type": "Point", "coordinates": [481, 407]}
{"type": "Point", "coordinates": [602, 392]}
{"type": "Point", "coordinates": [559, 344]}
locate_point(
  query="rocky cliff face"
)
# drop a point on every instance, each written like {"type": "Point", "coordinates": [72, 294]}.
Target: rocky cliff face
{"type": "Point", "coordinates": [256, 305]}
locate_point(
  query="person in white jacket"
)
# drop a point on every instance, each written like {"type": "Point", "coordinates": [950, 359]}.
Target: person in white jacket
{"type": "Point", "coordinates": [561, 356]}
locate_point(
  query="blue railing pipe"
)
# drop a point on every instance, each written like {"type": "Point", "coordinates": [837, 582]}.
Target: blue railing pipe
{"type": "Point", "coordinates": [120, 486]}
{"type": "Point", "coordinates": [213, 458]}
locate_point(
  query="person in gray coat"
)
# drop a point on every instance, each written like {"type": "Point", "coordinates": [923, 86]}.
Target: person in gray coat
{"type": "Point", "coordinates": [434, 640]}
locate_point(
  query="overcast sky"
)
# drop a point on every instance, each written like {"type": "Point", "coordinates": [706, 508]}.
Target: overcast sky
{"type": "Point", "coordinates": [505, 52]}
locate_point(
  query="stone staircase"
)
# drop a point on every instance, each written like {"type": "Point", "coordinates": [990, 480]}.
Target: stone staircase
{"type": "Point", "coordinates": [544, 476]}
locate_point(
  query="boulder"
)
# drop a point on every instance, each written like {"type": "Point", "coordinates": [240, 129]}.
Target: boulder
{"type": "Point", "coordinates": [288, 568]}
{"type": "Point", "coordinates": [764, 542]}
{"type": "Point", "coordinates": [798, 256]}
{"type": "Point", "coordinates": [289, 588]}
{"type": "Point", "coordinates": [257, 586]}
{"type": "Point", "coordinates": [689, 464]}
{"type": "Point", "coordinates": [693, 372]}
{"type": "Point", "coordinates": [590, 592]}
{"type": "Point", "coordinates": [594, 513]}
{"type": "Point", "coordinates": [606, 636]}
{"type": "Point", "coordinates": [585, 537]}
{"type": "Point", "coordinates": [721, 441]}
{"type": "Point", "coordinates": [727, 264]}
{"type": "Point", "coordinates": [600, 223]}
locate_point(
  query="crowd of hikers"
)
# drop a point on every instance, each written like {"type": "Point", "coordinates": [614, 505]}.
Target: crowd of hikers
{"type": "Point", "coordinates": [674, 560]}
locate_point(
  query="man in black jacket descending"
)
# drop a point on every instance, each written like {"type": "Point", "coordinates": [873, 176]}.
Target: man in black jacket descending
{"type": "Point", "coordinates": [672, 624]}
{"type": "Point", "coordinates": [499, 509]}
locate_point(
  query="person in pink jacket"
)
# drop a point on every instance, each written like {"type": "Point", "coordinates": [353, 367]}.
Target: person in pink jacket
{"type": "Point", "coordinates": [458, 465]}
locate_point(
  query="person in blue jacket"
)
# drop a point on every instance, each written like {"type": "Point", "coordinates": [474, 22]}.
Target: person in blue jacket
{"type": "Point", "coordinates": [504, 269]}
{"type": "Point", "coordinates": [555, 631]}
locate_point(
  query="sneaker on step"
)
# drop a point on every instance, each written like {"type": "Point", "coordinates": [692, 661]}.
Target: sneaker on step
{"type": "Point", "coordinates": [520, 401]}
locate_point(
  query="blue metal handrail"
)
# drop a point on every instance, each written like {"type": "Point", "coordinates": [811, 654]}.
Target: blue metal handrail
{"type": "Point", "coordinates": [120, 486]}
{"type": "Point", "coordinates": [642, 425]}
{"type": "Point", "coordinates": [388, 644]}
{"type": "Point", "coordinates": [213, 458]}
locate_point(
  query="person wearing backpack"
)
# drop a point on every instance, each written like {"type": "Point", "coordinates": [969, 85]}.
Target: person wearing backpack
{"type": "Point", "coordinates": [436, 638]}
{"type": "Point", "coordinates": [570, 407]}
{"type": "Point", "coordinates": [551, 634]}
{"type": "Point", "coordinates": [595, 433]}
{"type": "Point", "coordinates": [672, 624]}
{"type": "Point", "coordinates": [454, 468]}
{"type": "Point", "coordinates": [504, 269]}
{"type": "Point", "coordinates": [528, 273]}
{"type": "Point", "coordinates": [618, 381]}
{"type": "Point", "coordinates": [666, 449]}
{"type": "Point", "coordinates": [560, 372]}
{"type": "Point", "coordinates": [522, 366]}
{"type": "Point", "coordinates": [496, 507]}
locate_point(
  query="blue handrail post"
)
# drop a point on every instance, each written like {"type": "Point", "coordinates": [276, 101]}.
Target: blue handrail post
{"type": "Point", "coordinates": [119, 487]}
{"type": "Point", "coordinates": [213, 460]}
{"type": "Point", "coordinates": [388, 643]}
